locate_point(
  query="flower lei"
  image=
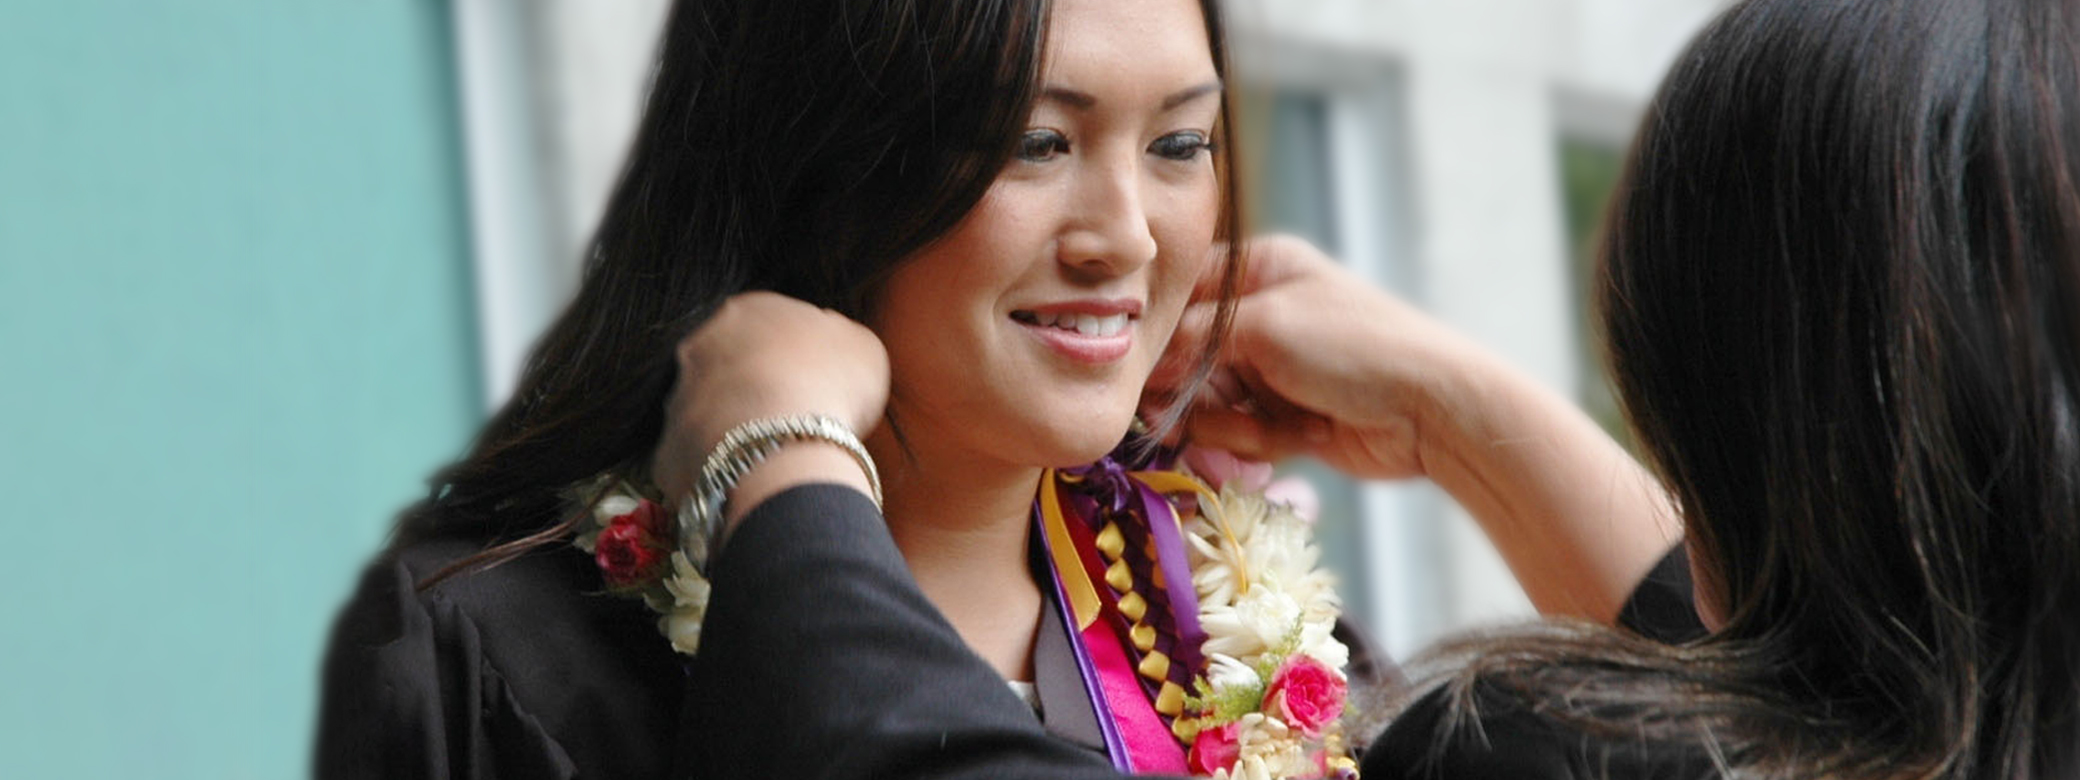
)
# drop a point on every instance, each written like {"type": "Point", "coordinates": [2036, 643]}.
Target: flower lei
{"type": "Point", "coordinates": [1267, 705]}
{"type": "Point", "coordinates": [635, 542]}
{"type": "Point", "coordinates": [1270, 702]}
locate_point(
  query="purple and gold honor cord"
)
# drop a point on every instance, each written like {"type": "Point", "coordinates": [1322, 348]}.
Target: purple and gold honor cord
{"type": "Point", "coordinates": [1105, 524]}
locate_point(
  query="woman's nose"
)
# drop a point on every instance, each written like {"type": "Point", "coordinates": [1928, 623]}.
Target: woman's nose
{"type": "Point", "coordinates": [1109, 232]}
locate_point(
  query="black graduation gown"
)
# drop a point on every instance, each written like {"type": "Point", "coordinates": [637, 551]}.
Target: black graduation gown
{"type": "Point", "coordinates": [526, 670]}
{"type": "Point", "coordinates": [823, 659]}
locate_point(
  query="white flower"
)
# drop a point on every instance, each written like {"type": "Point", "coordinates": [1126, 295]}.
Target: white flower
{"type": "Point", "coordinates": [1224, 672]}
{"type": "Point", "coordinates": [687, 607]}
{"type": "Point", "coordinates": [683, 627]}
{"type": "Point", "coordinates": [1241, 541]}
{"type": "Point", "coordinates": [687, 585]}
{"type": "Point", "coordinates": [1246, 768]}
{"type": "Point", "coordinates": [1258, 622]}
{"type": "Point", "coordinates": [614, 506]}
{"type": "Point", "coordinates": [1318, 642]}
{"type": "Point", "coordinates": [1270, 749]}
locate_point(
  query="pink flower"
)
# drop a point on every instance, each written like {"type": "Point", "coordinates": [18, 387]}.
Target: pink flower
{"type": "Point", "coordinates": [1219, 469]}
{"type": "Point", "coordinates": [1297, 494]}
{"type": "Point", "coordinates": [1215, 748]}
{"type": "Point", "coordinates": [1306, 694]}
{"type": "Point", "coordinates": [631, 548]}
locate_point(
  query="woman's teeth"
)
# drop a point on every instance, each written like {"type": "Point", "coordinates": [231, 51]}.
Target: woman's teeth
{"type": "Point", "coordinates": [1085, 324]}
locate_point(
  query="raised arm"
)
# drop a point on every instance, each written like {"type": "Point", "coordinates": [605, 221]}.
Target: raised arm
{"type": "Point", "coordinates": [1324, 364]}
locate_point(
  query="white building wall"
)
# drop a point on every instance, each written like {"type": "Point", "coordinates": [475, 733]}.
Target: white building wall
{"type": "Point", "coordinates": [551, 90]}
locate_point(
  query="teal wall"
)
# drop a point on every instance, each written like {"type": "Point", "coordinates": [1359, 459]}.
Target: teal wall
{"type": "Point", "coordinates": [234, 339]}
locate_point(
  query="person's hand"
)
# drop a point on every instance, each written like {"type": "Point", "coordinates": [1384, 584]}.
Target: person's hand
{"type": "Point", "coordinates": [761, 355]}
{"type": "Point", "coordinates": [1320, 363]}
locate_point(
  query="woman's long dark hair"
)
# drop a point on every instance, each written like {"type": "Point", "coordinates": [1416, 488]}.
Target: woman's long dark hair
{"type": "Point", "coordinates": [804, 147]}
{"type": "Point", "coordinates": [1841, 293]}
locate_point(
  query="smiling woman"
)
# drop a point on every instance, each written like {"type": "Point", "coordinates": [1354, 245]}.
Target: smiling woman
{"type": "Point", "coordinates": [1037, 319]}
{"type": "Point", "coordinates": [1059, 290]}
{"type": "Point", "coordinates": [1015, 197]}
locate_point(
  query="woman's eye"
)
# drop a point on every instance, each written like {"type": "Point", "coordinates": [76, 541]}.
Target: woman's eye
{"type": "Point", "coordinates": [1041, 145]}
{"type": "Point", "coordinates": [1181, 146]}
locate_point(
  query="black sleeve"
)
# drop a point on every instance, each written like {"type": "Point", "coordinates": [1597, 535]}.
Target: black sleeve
{"type": "Point", "coordinates": [821, 658]}
{"type": "Point", "coordinates": [1661, 607]}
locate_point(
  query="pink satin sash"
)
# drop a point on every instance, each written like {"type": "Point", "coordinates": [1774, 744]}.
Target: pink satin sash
{"type": "Point", "coordinates": [1150, 747]}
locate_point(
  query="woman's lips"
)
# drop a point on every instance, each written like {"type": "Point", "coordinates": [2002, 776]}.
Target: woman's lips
{"type": "Point", "coordinates": [1084, 337]}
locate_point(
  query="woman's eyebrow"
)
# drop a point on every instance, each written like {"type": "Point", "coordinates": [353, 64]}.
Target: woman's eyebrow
{"type": "Point", "coordinates": [1084, 100]}
{"type": "Point", "coordinates": [1069, 97]}
{"type": "Point", "coordinates": [1190, 94]}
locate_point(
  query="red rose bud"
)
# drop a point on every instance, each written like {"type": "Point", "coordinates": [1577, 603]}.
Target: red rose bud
{"type": "Point", "coordinates": [626, 553]}
{"type": "Point", "coordinates": [1215, 749]}
{"type": "Point", "coordinates": [1306, 694]}
{"type": "Point", "coordinates": [650, 517]}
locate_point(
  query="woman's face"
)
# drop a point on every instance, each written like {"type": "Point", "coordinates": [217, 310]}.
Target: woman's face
{"type": "Point", "coordinates": [1027, 332]}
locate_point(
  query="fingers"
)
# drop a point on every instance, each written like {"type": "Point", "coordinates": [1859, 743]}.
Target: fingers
{"type": "Point", "coordinates": [1241, 434]}
{"type": "Point", "coordinates": [1253, 273]}
{"type": "Point", "coordinates": [1255, 436]}
{"type": "Point", "coordinates": [1185, 347]}
{"type": "Point", "coordinates": [1266, 261]}
{"type": "Point", "coordinates": [1208, 286]}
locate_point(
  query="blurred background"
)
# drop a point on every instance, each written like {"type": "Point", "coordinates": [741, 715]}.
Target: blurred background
{"type": "Point", "coordinates": [265, 264]}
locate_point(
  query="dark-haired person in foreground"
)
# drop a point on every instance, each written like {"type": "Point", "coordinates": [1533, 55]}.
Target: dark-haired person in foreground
{"type": "Point", "coordinates": [1841, 292]}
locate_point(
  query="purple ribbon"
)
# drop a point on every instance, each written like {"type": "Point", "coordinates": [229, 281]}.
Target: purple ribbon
{"type": "Point", "coordinates": [1108, 727]}
{"type": "Point", "coordinates": [1177, 576]}
{"type": "Point", "coordinates": [1112, 488]}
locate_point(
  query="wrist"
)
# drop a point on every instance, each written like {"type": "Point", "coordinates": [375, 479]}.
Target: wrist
{"type": "Point", "coordinates": [799, 463]}
{"type": "Point", "coordinates": [1446, 387]}
{"type": "Point", "coordinates": [722, 496]}
{"type": "Point", "coordinates": [1477, 413]}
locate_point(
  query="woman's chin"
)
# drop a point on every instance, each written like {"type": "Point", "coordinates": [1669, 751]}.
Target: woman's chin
{"type": "Point", "coordinates": [1080, 459]}
{"type": "Point", "coordinates": [1083, 447]}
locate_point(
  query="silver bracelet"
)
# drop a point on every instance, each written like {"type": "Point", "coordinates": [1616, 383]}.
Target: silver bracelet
{"type": "Point", "coordinates": [743, 447]}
